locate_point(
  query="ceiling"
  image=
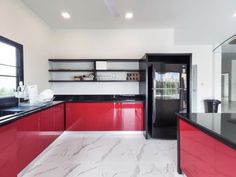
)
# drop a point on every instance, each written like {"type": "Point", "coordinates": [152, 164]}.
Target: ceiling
{"type": "Point", "coordinates": [194, 21]}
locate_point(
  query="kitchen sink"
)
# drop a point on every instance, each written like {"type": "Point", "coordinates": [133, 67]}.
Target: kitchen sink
{"type": "Point", "coordinates": [7, 114]}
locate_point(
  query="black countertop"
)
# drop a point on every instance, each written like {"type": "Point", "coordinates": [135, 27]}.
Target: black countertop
{"type": "Point", "coordinates": [221, 126]}
{"type": "Point", "coordinates": [15, 113]}
{"type": "Point", "coordinates": [99, 98]}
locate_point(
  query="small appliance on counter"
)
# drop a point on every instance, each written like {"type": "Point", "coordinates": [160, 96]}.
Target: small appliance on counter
{"type": "Point", "coordinates": [33, 94]}
{"type": "Point", "coordinates": [31, 97]}
{"type": "Point", "coordinates": [46, 96]}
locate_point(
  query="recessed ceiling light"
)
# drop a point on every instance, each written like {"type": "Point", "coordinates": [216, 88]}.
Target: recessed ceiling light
{"type": "Point", "coordinates": [65, 15]}
{"type": "Point", "coordinates": [129, 15]}
{"type": "Point", "coordinates": [234, 15]}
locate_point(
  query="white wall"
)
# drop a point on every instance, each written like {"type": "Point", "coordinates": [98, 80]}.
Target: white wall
{"type": "Point", "coordinates": [18, 23]}
{"type": "Point", "coordinates": [103, 44]}
{"type": "Point", "coordinates": [131, 44]}
{"type": "Point", "coordinates": [202, 56]}
{"type": "Point", "coordinates": [110, 43]}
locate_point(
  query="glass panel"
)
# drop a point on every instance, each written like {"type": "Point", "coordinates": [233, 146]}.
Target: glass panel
{"type": "Point", "coordinates": [7, 54]}
{"type": "Point", "coordinates": [7, 86]}
{"type": "Point", "coordinates": [7, 70]}
{"type": "Point", "coordinates": [167, 85]}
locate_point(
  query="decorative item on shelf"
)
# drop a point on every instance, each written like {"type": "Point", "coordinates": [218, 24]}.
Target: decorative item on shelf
{"type": "Point", "coordinates": [135, 76]}
{"type": "Point", "coordinates": [84, 77]}
{"type": "Point", "coordinates": [101, 65]}
{"type": "Point", "coordinates": [64, 69]}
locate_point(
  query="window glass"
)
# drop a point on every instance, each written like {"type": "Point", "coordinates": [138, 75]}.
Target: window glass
{"type": "Point", "coordinates": [7, 54]}
{"type": "Point", "coordinates": [7, 70]}
{"type": "Point", "coordinates": [7, 86]}
{"type": "Point", "coordinates": [11, 68]}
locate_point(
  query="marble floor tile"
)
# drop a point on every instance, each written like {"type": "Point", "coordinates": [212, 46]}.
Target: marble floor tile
{"type": "Point", "coordinates": [105, 155]}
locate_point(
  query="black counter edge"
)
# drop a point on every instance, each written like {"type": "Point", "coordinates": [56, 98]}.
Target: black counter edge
{"type": "Point", "coordinates": [99, 98]}
{"type": "Point", "coordinates": [28, 113]}
{"type": "Point", "coordinates": [208, 132]}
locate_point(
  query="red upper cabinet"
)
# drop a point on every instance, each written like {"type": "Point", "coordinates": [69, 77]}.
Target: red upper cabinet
{"type": "Point", "coordinates": [8, 149]}
{"type": "Point", "coordinates": [104, 116]}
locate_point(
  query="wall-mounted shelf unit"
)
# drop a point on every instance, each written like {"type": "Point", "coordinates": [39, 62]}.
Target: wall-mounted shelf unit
{"type": "Point", "coordinates": [94, 70]}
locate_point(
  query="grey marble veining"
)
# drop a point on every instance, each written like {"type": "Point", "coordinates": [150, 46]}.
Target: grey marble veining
{"type": "Point", "coordinates": [78, 154]}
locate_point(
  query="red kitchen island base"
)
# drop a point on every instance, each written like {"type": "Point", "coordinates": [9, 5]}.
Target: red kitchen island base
{"type": "Point", "coordinates": [202, 154]}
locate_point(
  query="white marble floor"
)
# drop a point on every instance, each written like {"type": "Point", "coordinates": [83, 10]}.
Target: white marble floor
{"type": "Point", "coordinates": [105, 155]}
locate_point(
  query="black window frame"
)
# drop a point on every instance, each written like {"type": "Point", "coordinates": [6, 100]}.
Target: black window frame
{"type": "Point", "coordinates": [11, 100]}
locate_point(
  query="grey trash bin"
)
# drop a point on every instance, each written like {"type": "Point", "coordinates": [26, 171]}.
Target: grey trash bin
{"type": "Point", "coordinates": [211, 105]}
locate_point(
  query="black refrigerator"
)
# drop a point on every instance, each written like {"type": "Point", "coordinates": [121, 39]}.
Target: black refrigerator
{"type": "Point", "coordinates": [169, 96]}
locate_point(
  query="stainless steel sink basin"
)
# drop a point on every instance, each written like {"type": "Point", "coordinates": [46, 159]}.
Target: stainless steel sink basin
{"type": "Point", "coordinates": [7, 114]}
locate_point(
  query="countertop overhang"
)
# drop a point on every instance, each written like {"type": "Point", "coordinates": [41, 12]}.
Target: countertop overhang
{"type": "Point", "coordinates": [22, 111]}
{"type": "Point", "coordinates": [221, 126]}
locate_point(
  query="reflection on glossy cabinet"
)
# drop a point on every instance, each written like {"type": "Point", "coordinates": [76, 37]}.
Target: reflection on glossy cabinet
{"type": "Point", "coordinates": [197, 152]}
{"type": "Point", "coordinates": [104, 116]}
{"type": "Point", "coordinates": [204, 156]}
{"type": "Point", "coordinates": [132, 116]}
{"type": "Point", "coordinates": [28, 145]}
{"type": "Point", "coordinates": [8, 150]}
{"type": "Point", "coordinates": [88, 116]}
{"type": "Point", "coordinates": [225, 160]}
{"type": "Point", "coordinates": [23, 139]}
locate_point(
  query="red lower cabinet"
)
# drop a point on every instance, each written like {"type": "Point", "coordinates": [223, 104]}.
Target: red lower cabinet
{"type": "Point", "coordinates": [132, 116]}
{"type": "Point", "coordinates": [90, 116]}
{"type": "Point", "coordinates": [104, 116]}
{"type": "Point", "coordinates": [225, 160]}
{"type": "Point", "coordinates": [28, 146]}
{"type": "Point", "coordinates": [8, 150]}
{"type": "Point", "coordinates": [24, 139]}
{"type": "Point", "coordinates": [204, 156]}
{"type": "Point", "coordinates": [59, 119]}
{"type": "Point", "coordinates": [51, 124]}
{"type": "Point", "coordinates": [197, 152]}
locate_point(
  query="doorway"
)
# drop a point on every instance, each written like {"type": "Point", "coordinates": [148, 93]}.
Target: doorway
{"type": "Point", "coordinates": [225, 87]}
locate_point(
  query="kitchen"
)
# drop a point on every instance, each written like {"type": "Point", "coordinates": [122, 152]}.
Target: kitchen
{"type": "Point", "coordinates": [46, 37]}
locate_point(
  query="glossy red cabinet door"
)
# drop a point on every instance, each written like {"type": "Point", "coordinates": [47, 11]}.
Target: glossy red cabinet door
{"type": "Point", "coordinates": [90, 116]}
{"type": "Point", "coordinates": [8, 149]}
{"type": "Point", "coordinates": [196, 152]}
{"type": "Point", "coordinates": [23, 139]}
{"type": "Point", "coordinates": [132, 116]}
{"type": "Point", "coordinates": [59, 119]}
{"type": "Point", "coordinates": [28, 146]}
{"type": "Point", "coordinates": [51, 124]}
{"type": "Point", "coordinates": [104, 116]}
{"type": "Point", "coordinates": [47, 127]}
{"type": "Point", "coordinates": [225, 160]}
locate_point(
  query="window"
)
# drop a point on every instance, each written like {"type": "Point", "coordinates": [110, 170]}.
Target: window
{"type": "Point", "coordinates": [11, 67]}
